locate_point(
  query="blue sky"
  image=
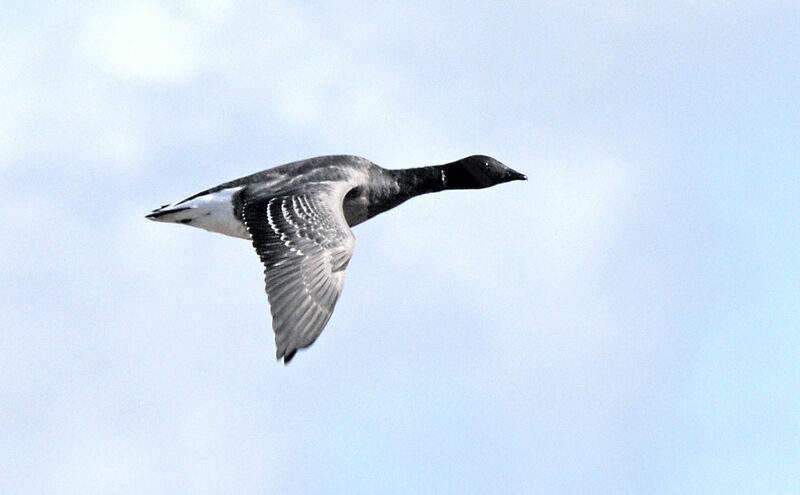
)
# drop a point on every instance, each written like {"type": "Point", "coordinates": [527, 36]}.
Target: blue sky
{"type": "Point", "coordinates": [624, 322]}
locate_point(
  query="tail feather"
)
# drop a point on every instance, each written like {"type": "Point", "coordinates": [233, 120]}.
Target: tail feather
{"type": "Point", "coordinates": [167, 214]}
{"type": "Point", "coordinates": [215, 212]}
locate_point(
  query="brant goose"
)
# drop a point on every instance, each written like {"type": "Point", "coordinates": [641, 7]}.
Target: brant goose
{"type": "Point", "coordinates": [298, 217]}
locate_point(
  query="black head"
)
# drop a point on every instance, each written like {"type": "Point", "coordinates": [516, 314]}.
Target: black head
{"type": "Point", "coordinates": [477, 172]}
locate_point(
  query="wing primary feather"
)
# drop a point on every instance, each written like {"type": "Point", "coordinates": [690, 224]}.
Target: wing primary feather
{"type": "Point", "coordinates": [304, 242]}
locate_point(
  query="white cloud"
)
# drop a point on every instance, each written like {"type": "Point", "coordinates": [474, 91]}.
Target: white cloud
{"type": "Point", "coordinates": [287, 70]}
{"type": "Point", "coordinates": [209, 10]}
{"type": "Point", "coordinates": [143, 42]}
{"type": "Point", "coordinates": [120, 146]}
{"type": "Point", "coordinates": [19, 52]}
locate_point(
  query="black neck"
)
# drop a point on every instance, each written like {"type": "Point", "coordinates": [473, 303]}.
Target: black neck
{"type": "Point", "coordinates": [422, 180]}
{"type": "Point", "coordinates": [437, 178]}
{"type": "Point", "coordinates": [397, 186]}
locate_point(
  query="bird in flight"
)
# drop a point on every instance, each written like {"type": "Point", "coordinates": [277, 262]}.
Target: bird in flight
{"type": "Point", "coordinates": [298, 218]}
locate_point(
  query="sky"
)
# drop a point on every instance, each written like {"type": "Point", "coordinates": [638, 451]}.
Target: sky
{"type": "Point", "coordinates": [626, 321]}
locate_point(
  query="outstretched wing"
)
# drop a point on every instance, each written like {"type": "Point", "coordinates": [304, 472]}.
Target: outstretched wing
{"type": "Point", "coordinates": [304, 242]}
